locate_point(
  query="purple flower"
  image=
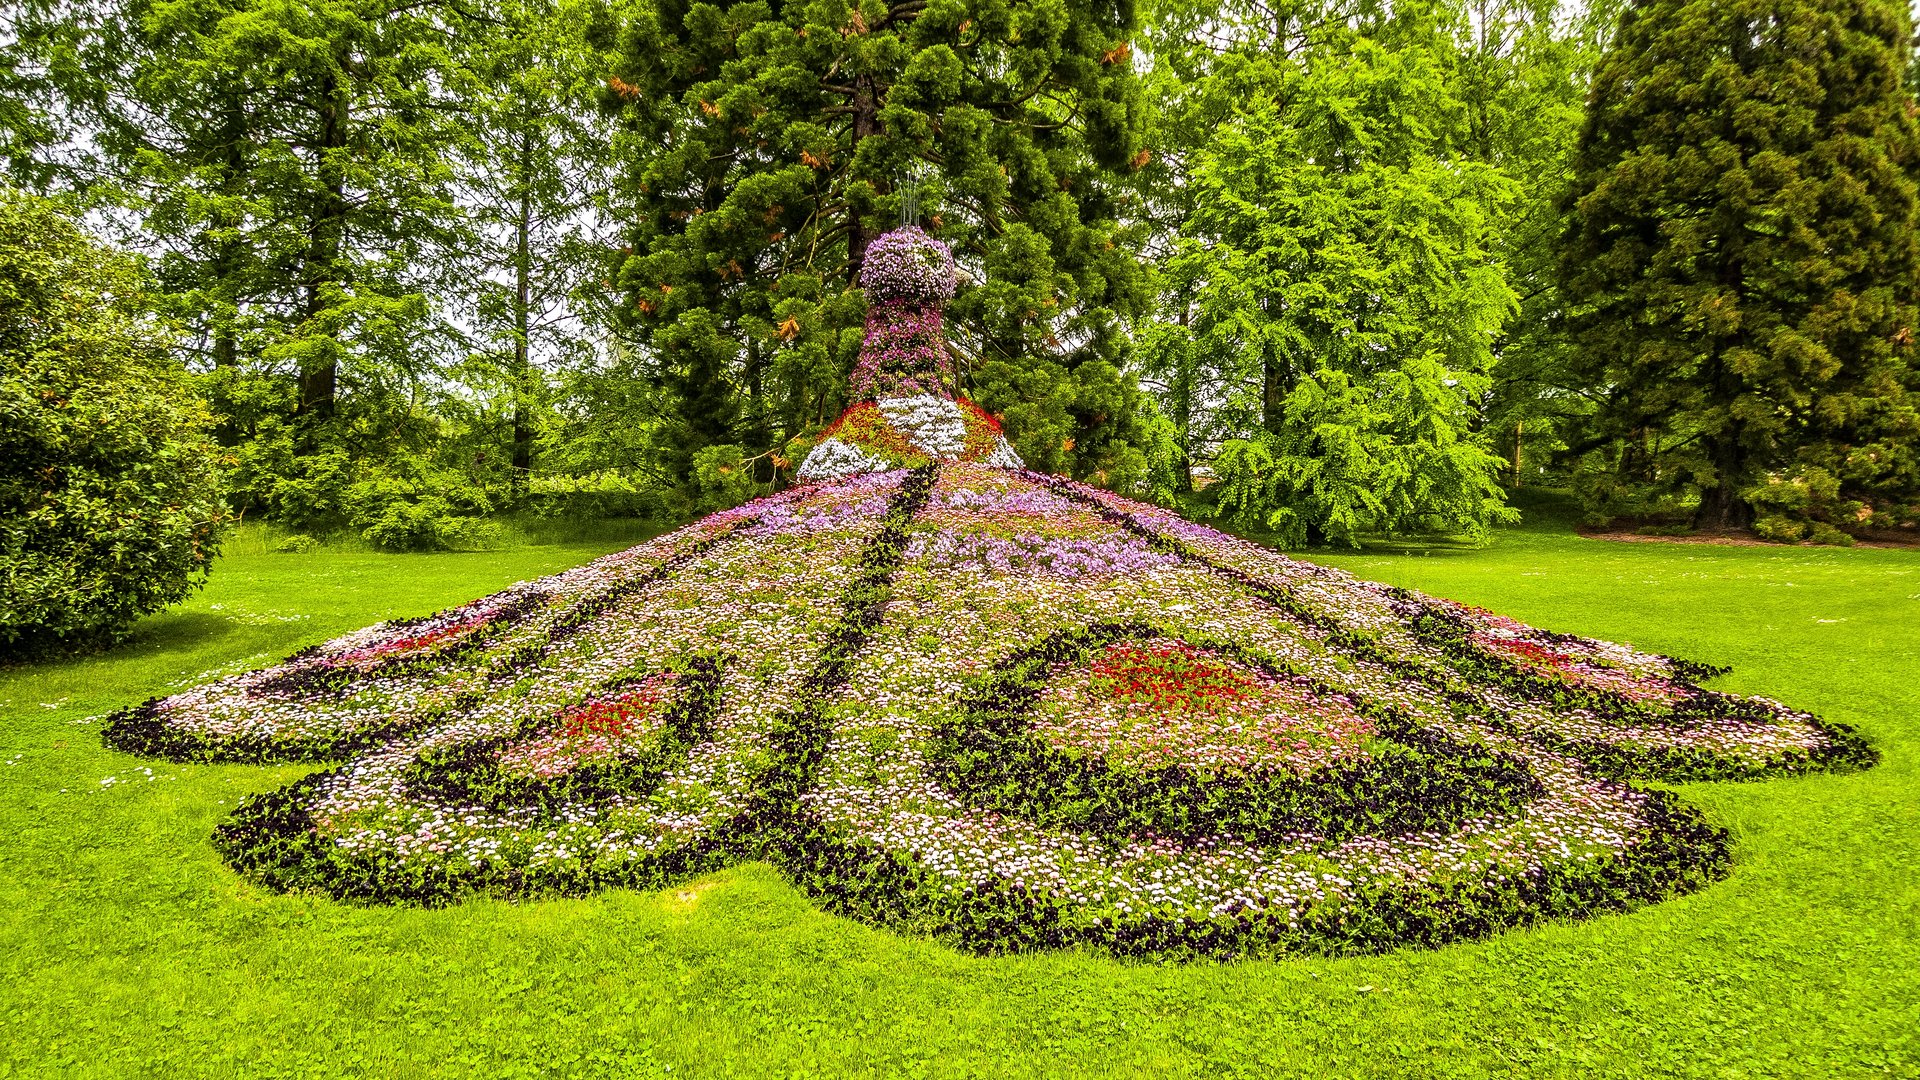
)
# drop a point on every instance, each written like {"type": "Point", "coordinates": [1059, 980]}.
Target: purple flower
{"type": "Point", "coordinates": [904, 353]}
{"type": "Point", "coordinates": [907, 264]}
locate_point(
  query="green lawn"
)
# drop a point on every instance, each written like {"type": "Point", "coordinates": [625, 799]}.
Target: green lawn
{"type": "Point", "coordinates": [128, 949]}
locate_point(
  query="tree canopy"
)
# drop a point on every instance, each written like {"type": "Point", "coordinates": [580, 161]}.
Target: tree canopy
{"type": "Point", "coordinates": [1325, 269]}
{"type": "Point", "coordinates": [771, 144]}
{"type": "Point", "coordinates": [1740, 264]}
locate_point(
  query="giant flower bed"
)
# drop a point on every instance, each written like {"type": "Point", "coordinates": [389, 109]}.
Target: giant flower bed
{"type": "Point", "coordinates": [956, 697]}
{"type": "Point", "coordinates": [1001, 708]}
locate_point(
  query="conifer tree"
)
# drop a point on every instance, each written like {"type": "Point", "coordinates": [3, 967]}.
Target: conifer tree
{"type": "Point", "coordinates": [1742, 265]}
{"type": "Point", "coordinates": [284, 163]}
{"type": "Point", "coordinates": [532, 166]}
{"type": "Point", "coordinates": [769, 143]}
{"type": "Point", "coordinates": [1331, 290]}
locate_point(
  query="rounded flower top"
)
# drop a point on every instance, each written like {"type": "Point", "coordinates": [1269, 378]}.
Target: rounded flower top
{"type": "Point", "coordinates": [907, 264]}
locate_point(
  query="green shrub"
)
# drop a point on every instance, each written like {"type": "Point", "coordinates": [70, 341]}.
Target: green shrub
{"type": "Point", "coordinates": [1355, 457]}
{"type": "Point", "coordinates": [297, 544]}
{"type": "Point", "coordinates": [1780, 528]}
{"type": "Point", "coordinates": [598, 496]}
{"type": "Point", "coordinates": [309, 491]}
{"type": "Point", "coordinates": [430, 523]}
{"type": "Point", "coordinates": [1822, 533]}
{"type": "Point", "coordinates": [109, 480]}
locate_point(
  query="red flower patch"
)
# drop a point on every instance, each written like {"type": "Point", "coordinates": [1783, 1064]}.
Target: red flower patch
{"type": "Point", "coordinates": [1158, 703]}
{"type": "Point", "coordinates": [598, 729]}
{"type": "Point", "coordinates": [1526, 652]}
{"type": "Point", "coordinates": [1172, 675]}
{"type": "Point", "coordinates": [983, 431]}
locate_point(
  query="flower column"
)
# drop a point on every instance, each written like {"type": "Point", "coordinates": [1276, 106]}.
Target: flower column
{"type": "Point", "coordinates": [906, 413]}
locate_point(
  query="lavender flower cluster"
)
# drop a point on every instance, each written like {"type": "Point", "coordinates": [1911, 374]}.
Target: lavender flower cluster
{"type": "Point", "coordinates": [1031, 553]}
{"type": "Point", "coordinates": [907, 264]}
{"type": "Point", "coordinates": [1005, 709]}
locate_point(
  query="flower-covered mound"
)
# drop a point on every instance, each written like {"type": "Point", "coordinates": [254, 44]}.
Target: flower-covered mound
{"type": "Point", "coordinates": [1000, 708]}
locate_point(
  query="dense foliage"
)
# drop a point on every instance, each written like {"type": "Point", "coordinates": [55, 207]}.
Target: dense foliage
{"type": "Point", "coordinates": [1333, 288]}
{"type": "Point", "coordinates": [1742, 266]}
{"type": "Point", "coordinates": [375, 219]}
{"type": "Point", "coordinates": [109, 479]}
{"type": "Point", "coordinates": [1312, 267]}
{"type": "Point", "coordinates": [770, 145]}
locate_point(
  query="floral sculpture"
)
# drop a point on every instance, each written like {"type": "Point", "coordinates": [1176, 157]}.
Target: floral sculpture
{"type": "Point", "coordinates": [906, 415]}
{"type": "Point", "coordinates": [963, 699]}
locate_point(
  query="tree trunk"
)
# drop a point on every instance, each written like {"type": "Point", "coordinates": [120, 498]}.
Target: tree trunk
{"type": "Point", "coordinates": [866, 121]}
{"type": "Point", "coordinates": [1722, 508]}
{"type": "Point", "coordinates": [1180, 389]}
{"type": "Point", "coordinates": [521, 375]}
{"type": "Point", "coordinates": [228, 248]}
{"type": "Point", "coordinates": [757, 435]}
{"type": "Point", "coordinates": [1272, 392]}
{"type": "Point", "coordinates": [326, 238]}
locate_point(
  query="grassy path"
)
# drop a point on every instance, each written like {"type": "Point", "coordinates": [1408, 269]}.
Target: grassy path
{"type": "Point", "coordinates": [127, 949]}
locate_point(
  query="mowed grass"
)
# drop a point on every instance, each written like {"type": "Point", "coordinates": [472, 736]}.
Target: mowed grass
{"type": "Point", "coordinates": [128, 949]}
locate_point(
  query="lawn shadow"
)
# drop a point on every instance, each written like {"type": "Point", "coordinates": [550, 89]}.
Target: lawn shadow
{"type": "Point", "coordinates": [172, 631]}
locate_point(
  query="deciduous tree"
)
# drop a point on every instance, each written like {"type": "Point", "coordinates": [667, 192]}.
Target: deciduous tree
{"type": "Point", "coordinates": [1332, 286]}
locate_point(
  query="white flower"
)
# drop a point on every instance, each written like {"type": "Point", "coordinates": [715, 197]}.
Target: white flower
{"type": "Point", "coordinates": [1003, 456]}
{"type": "Point", "coordinates": [933, 423]}
{"type": "Point", "coordinates": [833, 459]}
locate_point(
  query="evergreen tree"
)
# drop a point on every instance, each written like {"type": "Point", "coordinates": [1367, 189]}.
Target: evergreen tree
{"type": "Point", "coordinates": [1522, 73]}
{"type": "Point", "coordinates": [769, 143]}
{"type": "Point", "coordinates": [533, 168]}
{"type": "Point", "coordinates": [284, 164]}
{"type": "Point", "coordinates": [1742, 265]}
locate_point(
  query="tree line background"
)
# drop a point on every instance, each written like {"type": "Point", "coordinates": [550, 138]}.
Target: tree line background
{"type": "Point", "coordinates": [1327, 268]}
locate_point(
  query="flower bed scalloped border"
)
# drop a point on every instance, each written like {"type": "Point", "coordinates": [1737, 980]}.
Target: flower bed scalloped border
{"type": "Point", "coordinates": [1844, 750]}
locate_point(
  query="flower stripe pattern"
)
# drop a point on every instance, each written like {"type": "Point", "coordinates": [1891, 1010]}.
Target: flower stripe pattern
{"type": "Point", "coordinates": [436, 808]}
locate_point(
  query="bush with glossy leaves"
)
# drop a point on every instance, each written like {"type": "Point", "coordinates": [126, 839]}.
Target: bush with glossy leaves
{"type": "Point", "coordinates": [109, 478]}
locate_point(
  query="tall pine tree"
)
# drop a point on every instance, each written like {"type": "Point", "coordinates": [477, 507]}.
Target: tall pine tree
{"type": "Point", "coordinates": [768, 144]}
{"type": "Point", "coordinates": [533, 168]}
{"type": "Point", "coordinates": [285, 164]}
{"type": "Point", "coordinates": [1742, 265]}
